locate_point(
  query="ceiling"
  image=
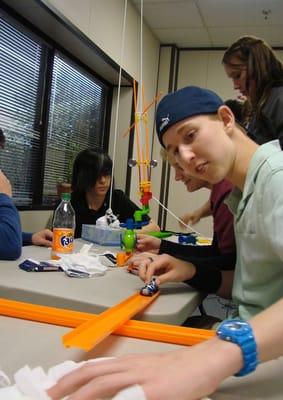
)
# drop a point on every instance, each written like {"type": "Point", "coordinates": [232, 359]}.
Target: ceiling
{"type": "Point", "coordinates": [213, 23]}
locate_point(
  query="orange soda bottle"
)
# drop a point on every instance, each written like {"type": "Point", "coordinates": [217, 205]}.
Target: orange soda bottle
{"type": "Point", "coordinates": [63, 228]}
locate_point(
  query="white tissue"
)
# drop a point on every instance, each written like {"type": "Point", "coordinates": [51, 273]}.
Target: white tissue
{"type": "Point", "coordinates": [89, 265]}
{"type": "Point", "coordinates": [134, 392]}
{"type": "Point", "coordinates": [4, 380]}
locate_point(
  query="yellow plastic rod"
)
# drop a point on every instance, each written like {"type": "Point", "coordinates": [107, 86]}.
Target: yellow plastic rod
{"type": "Point", "coordinates": [92, 332]}
{"type": "Point", "coordinates": [135, 329]}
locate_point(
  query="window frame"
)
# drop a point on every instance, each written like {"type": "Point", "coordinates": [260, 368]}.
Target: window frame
{"type": "Point", "coordinates": [50, 47]}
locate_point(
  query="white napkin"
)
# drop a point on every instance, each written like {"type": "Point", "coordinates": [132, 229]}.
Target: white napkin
{"type": "Point", "coordinates": [82, 265]}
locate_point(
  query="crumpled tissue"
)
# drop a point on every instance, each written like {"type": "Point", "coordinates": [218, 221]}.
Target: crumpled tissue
{"type": "Point", "coordinates": [83, 264]}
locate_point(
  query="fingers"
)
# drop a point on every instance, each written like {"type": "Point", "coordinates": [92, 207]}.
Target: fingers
{"type": "Point", "coordinates": [101, 379]}
{"type": "Point", "coordinates": [89, 381]}
{"type": "Point", "coordinates": [46, 242]}
{"type": "Point", "coordinates": [48, 234]}
{"type": "Point", "coordinates": [147, 243]}
{"type": "Point", "coordinates": [182, 224]}
{"type": "Point", "coordinates": [103, 387]}
{"type": "Point", "coordinates": [158, 268]}
{"type": "Point", "coordinates": [140, 261]}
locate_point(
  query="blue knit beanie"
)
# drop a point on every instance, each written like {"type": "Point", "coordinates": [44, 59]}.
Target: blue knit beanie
{"type": "Point", "coordinates": [182, 104]}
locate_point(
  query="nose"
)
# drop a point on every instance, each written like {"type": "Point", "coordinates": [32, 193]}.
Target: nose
{"type": "Point", "coordinates": [102, 179]}
{"type": "Point", "coordinates": [185, 156]}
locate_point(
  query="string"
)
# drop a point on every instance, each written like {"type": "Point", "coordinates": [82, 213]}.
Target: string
{"type": "Point", "coordinates": [140, 126]}
{"type": "Point", "coordinates": [177, 218]}
{"type": "Point", "coordinates": [118, 103]}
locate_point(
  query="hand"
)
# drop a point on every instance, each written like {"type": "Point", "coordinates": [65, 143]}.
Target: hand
{"type": "Point", "coordinates": [167, 268]}
{"type": "Point", "coordinates": [133, 263]}
{"type": "Point", "coordinates": [5, 185]}
{"type": "Point", "coordinates": [186, 374]}
{"type": "Point", "coordinates": [148, 243]}
{"type": "Point", "coordinates": [190, 219]}
{"type": "Point", "coordinates": [42, 238]}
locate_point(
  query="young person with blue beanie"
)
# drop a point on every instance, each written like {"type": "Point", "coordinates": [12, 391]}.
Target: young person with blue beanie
{"type": "Point", "coordinates": [200, 132]}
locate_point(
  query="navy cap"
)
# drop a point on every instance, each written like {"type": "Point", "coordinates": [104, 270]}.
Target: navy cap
{"type": "Point", "coordinates": [182, 104]}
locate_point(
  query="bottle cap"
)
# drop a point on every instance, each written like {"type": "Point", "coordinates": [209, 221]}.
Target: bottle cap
{"type": "Point", "coordinates": [66, 196]}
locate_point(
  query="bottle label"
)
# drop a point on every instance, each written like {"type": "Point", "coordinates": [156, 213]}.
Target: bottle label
{"type": "Point", "coordinates": [63, 240]}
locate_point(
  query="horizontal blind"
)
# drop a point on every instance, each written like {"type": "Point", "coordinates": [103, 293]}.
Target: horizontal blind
{"type": "Point", "coordinates": [20, 60]}
{"type": "Point", "coordinates": [76, 121]}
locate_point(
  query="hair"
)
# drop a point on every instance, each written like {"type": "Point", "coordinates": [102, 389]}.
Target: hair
{"type": "Point", "coordinates": [163, 154]}
{"type": "Point", "coordinates": [89, 166]}
{"type": "Point", "coordinates": [236, 107]}
{"type": "Point", "coordinates": [264, 69]}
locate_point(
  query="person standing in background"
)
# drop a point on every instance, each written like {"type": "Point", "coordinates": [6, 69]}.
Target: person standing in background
{"type": "Point", "coordinates": [258, 74]}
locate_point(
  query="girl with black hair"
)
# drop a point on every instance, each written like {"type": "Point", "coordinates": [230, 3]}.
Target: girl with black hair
{"type": "Point", "coordinates": [91, 181]}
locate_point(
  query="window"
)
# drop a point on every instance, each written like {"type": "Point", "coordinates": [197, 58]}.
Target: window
{"type": "Point", "coordinates": [20, 59]}
{"type": "Point", "coordinates": [45, 124]}
{"type": "Point", "coordinates": [76, 119]}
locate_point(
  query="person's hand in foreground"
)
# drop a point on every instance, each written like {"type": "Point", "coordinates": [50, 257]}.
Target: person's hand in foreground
{"type": "Point", "coordinates": [138, 259]}
{"type": "Point", "coordinates": [186, 374]}
{"type": "Point", "coordinates": [148, 243]}
{"type": "Point", "coordinates": [165, 268]}
{"type": "Point", "coordinates": [42, 238]}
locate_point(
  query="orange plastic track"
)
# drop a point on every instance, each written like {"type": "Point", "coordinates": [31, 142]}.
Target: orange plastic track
{"type": "Point", "coordinates": [135, 329]}
{"type": "Point", "coordinates": [92, 332]}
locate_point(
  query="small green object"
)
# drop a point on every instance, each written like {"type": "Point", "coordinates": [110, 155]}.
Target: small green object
{"type": "Point", "coordinates": [160, 234]}
{"type": "Point", "coordinates": [66, 196]}
{"type": "Point", "coordinates": [129, 240]}
{"type": "Point", "coordinates": [138, 214]}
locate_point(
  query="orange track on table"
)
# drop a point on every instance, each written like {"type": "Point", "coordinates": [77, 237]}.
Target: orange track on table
{"type": "Point", "coordinates": [92, 332]}
{"type": "Point", "coordinates": [135, 329]}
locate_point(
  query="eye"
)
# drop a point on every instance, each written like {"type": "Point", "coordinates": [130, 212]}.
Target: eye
{"type": "Point", "coordinates": [189, 136]}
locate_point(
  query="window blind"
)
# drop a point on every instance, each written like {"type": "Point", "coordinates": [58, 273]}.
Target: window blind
{"type": "Point", "coordinates": [20, 59]}
{"type": "Point", "coordinates": [75, 114]}
{"type": "Point", "coordinates": [76, 121]}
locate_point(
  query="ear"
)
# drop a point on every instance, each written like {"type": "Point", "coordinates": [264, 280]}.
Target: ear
{"type": "Point", "coordinates": [227, 117]}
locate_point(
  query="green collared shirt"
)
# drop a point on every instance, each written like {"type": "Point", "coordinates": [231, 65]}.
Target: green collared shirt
{"type": "Point", "coordinates": [258, 222]}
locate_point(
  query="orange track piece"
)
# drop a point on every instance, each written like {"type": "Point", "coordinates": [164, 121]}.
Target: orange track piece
{"type": "Point", "coordinates": [87, 335]}
{"type": "Point", "coordinates": [135, 329]}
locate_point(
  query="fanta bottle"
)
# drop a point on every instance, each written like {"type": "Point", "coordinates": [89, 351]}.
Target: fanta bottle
{"type": "Point", "coordinates": [63, 228]}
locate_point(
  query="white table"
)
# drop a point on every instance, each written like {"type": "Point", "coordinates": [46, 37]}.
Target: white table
{"type": "Point", "coordinates": [25, 342]}
{"type": "Point", "coordinates": [175, 303]}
